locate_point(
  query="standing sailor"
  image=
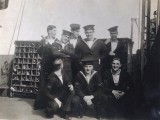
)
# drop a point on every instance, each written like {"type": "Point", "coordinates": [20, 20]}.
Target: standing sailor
{"type": "Point", "coordinates": [67, 48]}
{"type": "Point", "coordinates": [91, 46]}
{"type": "Point", "coordinates": [116, 47]}
{"type": "Point", "coordinates": [44, 50]}
{"type": "Point", "coordinates": [75, 29]}
{"type": "Point", "coordinates": [75, 38]}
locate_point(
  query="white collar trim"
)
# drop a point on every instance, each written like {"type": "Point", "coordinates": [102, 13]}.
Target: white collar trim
{"type": "Point", "coordinates": [94, 72]}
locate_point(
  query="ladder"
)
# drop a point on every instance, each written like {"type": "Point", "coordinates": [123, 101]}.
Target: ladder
{"type": "Point", "coordinates": [147, 35]}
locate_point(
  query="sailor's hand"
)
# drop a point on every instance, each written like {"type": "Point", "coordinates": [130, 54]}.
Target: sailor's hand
{"type": "Point", "coordinates": [116, 93]}
{"type": "Point", "coordinates": [71, 87]}
{"type": "Point", "coordinates": [58, 102]}
{"type": "Point", "coordinates": [89, 102]}
{"type": "Point", "coordinates": [86, 98]}
{"type": "Point", "coordinates": [121, 93]}
{"type": "Point", "coordinates": [107, 41]}
{"type": "Point", "coordinates": [112, 53]}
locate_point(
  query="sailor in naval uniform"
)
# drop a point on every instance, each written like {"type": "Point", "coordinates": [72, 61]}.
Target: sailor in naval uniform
{"type": "Point", "coordinates": [88, 87]}
{"type": "Point", "coordinates": [115, 47]}
{"type": "Point", "coordinates": [91, 46]}
{"type": "Point", "coordinates": [44, 50]}
{"type": "Point", "coordinates": [67, 48]}
{"type": "Point", "coordinates": [75, 38]}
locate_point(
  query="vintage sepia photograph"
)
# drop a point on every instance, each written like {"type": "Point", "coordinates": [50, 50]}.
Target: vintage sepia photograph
{"type": "Point", "coordinates": [80, 59]}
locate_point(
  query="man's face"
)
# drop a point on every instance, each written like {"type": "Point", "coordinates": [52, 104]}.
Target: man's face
{"type": "Point", "coordinates": [88, 68]}
{"type": "Point", "coordinates": [89, 34]}
{"type": "Point", "coordinates": [75, 33]}
{"type": "Point", "coordinates": [65, 39]}
{"type": "Point", "coordinates": [114, 35]}
{"type": "Point", "coordinates": [52, 32]}
{"type": "Point", "coordinates": [116, 65]}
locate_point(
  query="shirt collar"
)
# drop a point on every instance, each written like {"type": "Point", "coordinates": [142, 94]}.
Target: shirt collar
{"type": "Point", "coordinates": [117, 73]}
{"type": "Point", "coordinates": [115, 41]}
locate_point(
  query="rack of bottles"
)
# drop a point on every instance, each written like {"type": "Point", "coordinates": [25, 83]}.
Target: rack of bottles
{"type": "Point", "coordinates": [26, 69]}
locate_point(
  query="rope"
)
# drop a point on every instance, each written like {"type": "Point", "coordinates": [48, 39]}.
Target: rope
{"type": "Point", "coordinates": [21, 20]}
{"type": "Point", "coordinates": [15, 27]}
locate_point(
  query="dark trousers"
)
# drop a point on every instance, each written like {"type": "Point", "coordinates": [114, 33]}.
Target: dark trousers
{"type": "Point", "coordinates": [40, 101]}
{"type": "Point", "coordinates": [79, 105]}
{"type": "Point", "coordinates": [66, 100]}
{"type": "Point", "coordinates": [118, 107]}
{"type": "Point", "coordinates": [67, 68]}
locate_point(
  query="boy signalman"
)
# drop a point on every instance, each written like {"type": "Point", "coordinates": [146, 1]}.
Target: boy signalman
{"type": "Point", "coordinates": [87, 85]}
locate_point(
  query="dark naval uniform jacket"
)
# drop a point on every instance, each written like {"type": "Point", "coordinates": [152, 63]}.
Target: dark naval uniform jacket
{"type": "Point", "coordinates": [55, 88]}
{"type": "Point", "coordinates": [98, 50]}
{"type": "Point", "coordinates": [126, 102]}
{"type": "Point", "coordinates": [91, 88]}
{"type": "Point", "coordinates": [83, 88]}
{"type": "Point", "coordinates": [75, 64]}
{"type": "Point", "coordinates": [125, 83]}
{"type": "Point", "coordinates": [121, 52]}
{"type": "Point", "coordinates": [78, 40]}
{"type": "Point", "coordinates": [45, 51]}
